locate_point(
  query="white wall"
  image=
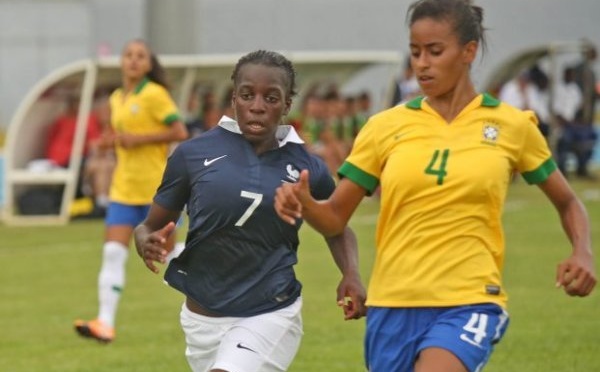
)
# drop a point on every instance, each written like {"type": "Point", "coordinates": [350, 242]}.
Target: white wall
{"type": "Point", "coordinates": [232, 25]}
{"type": "Point", "coordinates": [37, 36]}
{"type": "Point", "coordinates": [33, 40]}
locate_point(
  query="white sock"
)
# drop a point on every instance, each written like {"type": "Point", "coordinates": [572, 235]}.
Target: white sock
{"type": "Point", "coordinates": [177, 249]}
{"type": "Point", "coordinates": [111, 280]}
{"type": "Point", "coordinates": [102, 201]}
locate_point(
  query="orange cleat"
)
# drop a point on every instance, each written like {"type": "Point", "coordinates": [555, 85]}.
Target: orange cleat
{"type": "Point", "coordinates": [95, 329]}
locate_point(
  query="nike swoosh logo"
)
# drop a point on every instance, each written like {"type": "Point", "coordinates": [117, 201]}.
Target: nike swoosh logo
{"type": "Point", "coordinates": [209, 162]}
{"type": "Point", "coordinates": [242, 346]}
{"type": "Point", "coordinates": [400, 135]}
{"type": "Point", "coordinates": [468, 340]}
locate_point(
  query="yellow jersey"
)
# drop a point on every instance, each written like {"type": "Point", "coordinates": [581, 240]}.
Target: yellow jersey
{"type": "Point", "coordinates": [439, 239]}
{"type": "Point", "coordinates": [146, 110]}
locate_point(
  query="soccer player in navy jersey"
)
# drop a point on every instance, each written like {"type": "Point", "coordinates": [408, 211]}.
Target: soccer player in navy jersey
{"type": "Point", "coordinates": [243, 301]}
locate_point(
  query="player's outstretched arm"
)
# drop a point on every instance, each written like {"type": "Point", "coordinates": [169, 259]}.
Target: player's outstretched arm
{"type": "Point", "coordinates": [351, 294]}
{"type": "Point", "coordinates": [576, 274]}
{"type": "Point", "coordinates": [330, 216]}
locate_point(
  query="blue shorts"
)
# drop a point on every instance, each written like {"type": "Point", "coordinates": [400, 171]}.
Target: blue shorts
{"type": "Point", "coordinates": [396, 336]}
{"type": "Point", "coordinates": [123, 214]}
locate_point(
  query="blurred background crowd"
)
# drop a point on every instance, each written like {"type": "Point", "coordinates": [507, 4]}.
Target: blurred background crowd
{"type": "Point", "coordinates": [526, 69]}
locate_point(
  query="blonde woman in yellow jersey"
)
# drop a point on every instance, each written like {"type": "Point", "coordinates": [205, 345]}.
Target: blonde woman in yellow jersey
{"type": "Point", "coordinates": [145, 121]}
{"type": "Point", "coordinates": [444, 162]}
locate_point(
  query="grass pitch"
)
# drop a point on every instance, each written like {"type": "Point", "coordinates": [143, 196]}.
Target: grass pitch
{"type": "Point", "coordinates": [49, 277]}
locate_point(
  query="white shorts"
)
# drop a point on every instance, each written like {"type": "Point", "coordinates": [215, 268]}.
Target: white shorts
{"type": "Point", "coordinates": [262, 343]}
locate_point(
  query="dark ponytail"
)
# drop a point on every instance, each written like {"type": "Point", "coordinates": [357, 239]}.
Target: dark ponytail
{"type": "Point", "coordinates": [466, 18]}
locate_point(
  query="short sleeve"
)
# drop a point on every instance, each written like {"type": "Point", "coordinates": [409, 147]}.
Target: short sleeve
{"type": "Point", "coordinates": [535, 162]}
{"type": "Point", "coordinates": [321, 181]}
{"type": "Point", "coordinates": [163, 108]}
{"type": "Point", "coordinates": [363, 165]}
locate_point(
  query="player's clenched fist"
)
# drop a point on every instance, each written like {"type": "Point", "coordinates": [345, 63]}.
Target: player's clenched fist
{"type": "Point", "coordinates": [290, 197]}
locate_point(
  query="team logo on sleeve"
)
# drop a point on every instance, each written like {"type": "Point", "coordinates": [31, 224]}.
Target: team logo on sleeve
{"type": "Point", "coordinates": [490, 133]}
{"type": "Point", "coordinates": [293, 174]}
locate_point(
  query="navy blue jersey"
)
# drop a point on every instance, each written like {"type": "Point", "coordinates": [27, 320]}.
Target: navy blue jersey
{"type": "Point", "coordinates": [239, 254]}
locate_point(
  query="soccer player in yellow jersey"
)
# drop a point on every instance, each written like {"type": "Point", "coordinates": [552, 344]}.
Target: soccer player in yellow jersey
{"type": "Point", "coordinates": [145, 121]}
{"type": "Point", "coordinates": [444, 162]}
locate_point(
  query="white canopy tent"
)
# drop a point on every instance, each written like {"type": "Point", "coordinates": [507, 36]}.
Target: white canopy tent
{"type": "Point", "coordinates": [26, 134]}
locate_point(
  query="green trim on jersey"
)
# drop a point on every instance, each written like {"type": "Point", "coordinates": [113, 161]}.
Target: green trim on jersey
{"type": "Point", "coordinates": [540, 174]}
{"type": "Point", "coordinates": [489, 101]}
{"type": "Point", "coordinates": [359, 177]}
{"type": "Point", "coordinates": [141, 85]}
{"type": "Point", "coordinates": [415, 103]}
{"type": "Point", "coordinates": [171, 119]}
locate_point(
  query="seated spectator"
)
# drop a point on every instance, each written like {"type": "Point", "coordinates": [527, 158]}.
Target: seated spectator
{"type": "Point", "coordinates": [100, 163]}
{"type": "Point", "coordinates": [62, 134]}
{"type": "Point", "coordinates": [60, 145]}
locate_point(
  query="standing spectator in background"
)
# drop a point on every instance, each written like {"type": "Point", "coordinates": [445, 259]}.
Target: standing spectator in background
{"type": "Point", "coordinates": [319, 134]}
{"type": "Point", "coordinates": [243, 302]}
{"type": "Point", "coordinates": [193, 114]}
{"type": "Point", "coordinates": [539, 98]}
{"type": "Point", "coordinates": [516, 92]}
{"type": "Point", "coordinates": [145, 121]}
{"type": "Point", "coordinates": [211, 113]}
{"type": "Point", "coordinates": [352, 122]}
{"type": "Point", "coordinates": [576, 138]}
{"type": "Point", "coordinates": [332, 131]}
{"type": "Point", "coordinates": [364, 106]}
{"type": "Point", "coordinates": [436, 301]}
{"type": "Point", "coordinates": [208, 115]}
{"type": "Point", "coordinates": [406, 86]}
{"type": "Point", "coordinates": [585, 78]}
{"type": "Point", "coordinates": [529, 91]}
{"type": "Point", "coordinates": [207, 120]}
{"type": "Point", "coordinates": [311, 108]}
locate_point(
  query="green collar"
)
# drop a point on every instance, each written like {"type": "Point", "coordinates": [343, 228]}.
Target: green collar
{"type": "Point", "coordinates": [487, 101]}
{"type": "Point", "coordinates": [415, 103]}
{"type": "Point", "coordinates": [141, 85]}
